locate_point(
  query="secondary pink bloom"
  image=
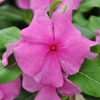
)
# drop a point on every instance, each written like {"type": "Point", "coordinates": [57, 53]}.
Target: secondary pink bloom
{"type": "Point", "coordinates": [1, 1]}
{"type": "Point", "coordinates": [68, 88]}
{"type": "Point", "coordinates": [30, 84]}
{"type": "Point", "coordinates": [9, 91]}
{"type": "Point", "coordinates": [33, 4]}
{"type": "Point", "coordinates": [49, 92]}
{"type": "Point", "coordinates": [50, 47]}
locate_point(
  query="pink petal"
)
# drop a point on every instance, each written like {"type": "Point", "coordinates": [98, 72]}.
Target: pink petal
{"type": "Point", "coordinates": [69, 89]}
{"type": "Point", "coordinates": [64, 31]}
{"type": "Point", "coordinates": [69, 9]}
{"type": "Point", "coordinates": [76, 4]}
{"type": "Point", "coordinates": [11, 90]}
{"type": "Point", "coordinates": [1, 95]}
{"type": "Point", "coordinates": [24, 4]}
{"type": "Point", "coordinates": [40, 29]}
{"type": "Point", "coordinates": [91, 43]}
{"type": "Point", "coordinates": [51, 73]}
{"type": "Point", "coordinates": [39, 4]}
{"type": "Point", "coordinates": [47, 93]}
{"type": "Point", "coordinates": [30, 57]}
{"type": "Point", "coordinates": [30, 84]}
{"type": "Point", "coordinates": [98, 36]}
{"type": "Point", "coordinates": [72, 55]}
{"type": "Point", "coordinates": [91, 55]}
{"type": "Point", "coordinates": [9, 51]}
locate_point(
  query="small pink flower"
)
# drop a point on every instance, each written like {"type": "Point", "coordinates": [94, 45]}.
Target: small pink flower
{"type": "Point", "coordinates": [50, 47]}
{"type": "Point", "coordinates": [9, 91]}
{"type": "Point", "coordinates": [49, 92]}
{"type": "Point", "coordinates": [33, 4]}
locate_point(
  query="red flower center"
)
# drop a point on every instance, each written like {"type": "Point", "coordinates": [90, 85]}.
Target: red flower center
{"type": "Point", "coordinates": [53, 47]}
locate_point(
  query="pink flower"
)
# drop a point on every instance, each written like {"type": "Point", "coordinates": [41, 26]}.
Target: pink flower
{"type": "Point", "coordinates": [1, 1]}
{"type": "Point", "coordinates": [33, 4]}
{"type": "Point", "coordinates": [50, 47]}
{"type": "Point", "coordinates": [49, 92]}
{"type": "Point", "coordinates": [9, 91]}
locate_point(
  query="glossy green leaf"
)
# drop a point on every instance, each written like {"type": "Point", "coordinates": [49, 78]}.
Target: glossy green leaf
{"type": "Point", "coordinates": [79, 19]}
{"type": "Point", "coordinates": [25, 95]}
{"type": "Point", "coordinates": [94, 23]}
{"type": "Point", "coordinates": [85, 31]}
{"type": "Point", "coordinates": [97, 60]}
{"type": "Point", "coordinates": [88, 78]}
{"type": "Point", "coordinates": [53, 5]}
{"type": "Point", "coordinates": [10, 72]}
{"type": "Point", "coordinates": [95, 49]}
{"type": "Point", "coordinates": [88, 4]}
{"type": "Point", "coordinates": [11, 13]}
{"type": "Point", "coordinates": [9, 35]}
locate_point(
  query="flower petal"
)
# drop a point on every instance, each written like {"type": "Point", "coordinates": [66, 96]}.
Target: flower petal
{"type": "Point", "coordinates": [11, 90]}
{"type": "Point", "coordinates": [30, 84]}
{"type": "Point", "coordinates": [69, 89]}
{"type": "Point", "coordinates": [24, 4]}
{"type": "Point", "coordinates": [9, 51]}
{"type": "Point", "coordinates": [98, 36]}
{"type": "Point", "coordinates": [1, 95]}
{"type": "Point", "coordinates": [91, 55]}
{"type": "Point", "coordinates": [72, 55]}
{"type": "Point", "coordinates": [64, 31]}
{"type": "Point", "coordinates": [30, 57]}
{"type": "Point", "coordinates": [47, 93]}
{"type": "Point", "coordinates": [40, 29]}
{"type": "Point", "coordinates": [51, 73]}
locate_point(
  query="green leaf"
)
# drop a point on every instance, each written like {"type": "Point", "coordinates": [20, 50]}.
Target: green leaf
{"type": "Point", "coordinates": [53, 5]}
{"type": "Point", "coordinates": [97, 60]}
{"type": "Point", "coordinates": [85, 31]}
{"type": "Point", "coordinates": [9, 35]}
{"type": "Point", "coordinates": [94, 23]}
{"type": "Point", "coordinates": [88, 78]}
{"type": "Point", "coordinates": [24, 95]}
{"type": "Point", "coordinates": [88, 4]}
{"type": "Point", "coordinates": [95, 49]}
{"type": "Point", "coordinates": [11, 13]}
{"type": "Point", "coordinates": [10, 72]}
{"type": "Point", "coordinates": [79, 19]}
{"type": "Point", "coordinates": [64, 98]}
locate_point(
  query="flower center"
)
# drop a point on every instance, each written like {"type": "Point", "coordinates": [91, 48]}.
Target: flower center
{"type": "Point", "coordinates": [53, 47]}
